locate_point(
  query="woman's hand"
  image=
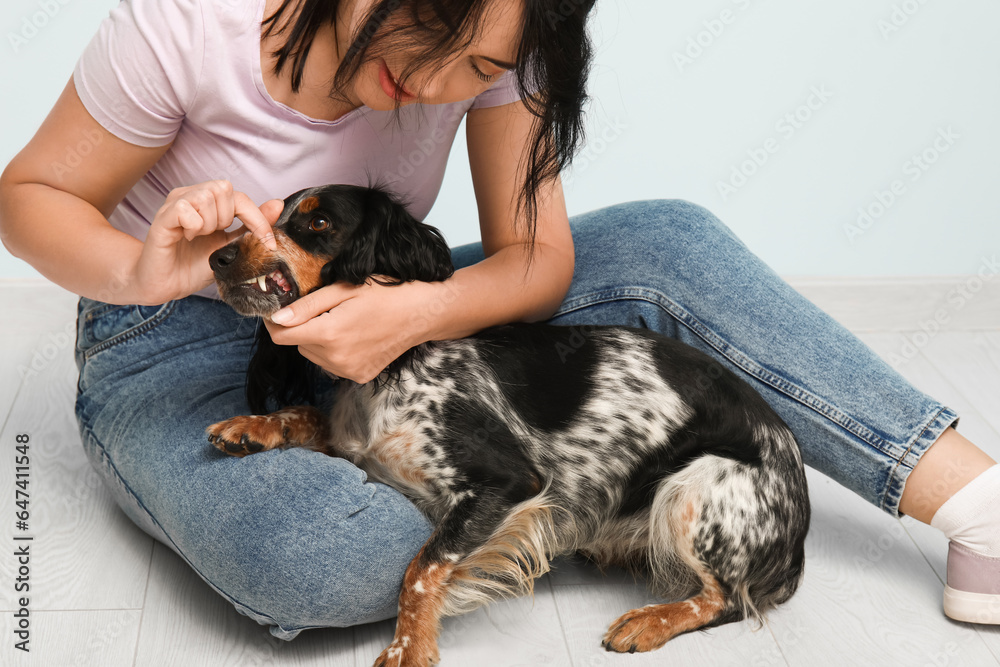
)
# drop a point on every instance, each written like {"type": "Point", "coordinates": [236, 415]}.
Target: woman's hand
{"type": "Point", "coordinates": [188, 228]}
{"type": "Point", "coordinates": [354, 332]}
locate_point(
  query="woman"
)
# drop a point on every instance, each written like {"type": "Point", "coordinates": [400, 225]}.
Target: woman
{"type": "Point", "coordinates": [170, 94]}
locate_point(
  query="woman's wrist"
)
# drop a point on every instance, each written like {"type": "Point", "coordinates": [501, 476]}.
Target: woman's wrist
{"type": "Point", "coordinates": [438, 315]}
{"type": "Point", "coordinates": [495, 291]}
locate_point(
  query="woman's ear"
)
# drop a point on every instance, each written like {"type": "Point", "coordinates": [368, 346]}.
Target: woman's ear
{"type": "Point", "coordinates": [390, 242]}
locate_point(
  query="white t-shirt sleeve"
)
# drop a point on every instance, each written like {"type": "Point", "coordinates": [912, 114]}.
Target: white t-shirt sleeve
{"type": "Point", "coordinates": [139, 74]}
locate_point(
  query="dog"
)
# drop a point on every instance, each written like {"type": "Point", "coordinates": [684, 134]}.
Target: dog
{"type": "Point", "coordinates": [527, 441]}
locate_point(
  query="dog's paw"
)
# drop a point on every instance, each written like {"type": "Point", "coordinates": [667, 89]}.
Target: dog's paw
{"type": "Point", "coordinates": [240, 436]}
{"type": "Point", "coordinates": [640, 630]}
{"type": "Point", "coordinates": [404, 653]}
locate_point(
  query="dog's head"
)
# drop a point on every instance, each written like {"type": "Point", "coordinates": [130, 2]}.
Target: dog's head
{"type": "Point", "coordinates": [325, 234]}
{"type": "Point", "coordinates": [329, 234]}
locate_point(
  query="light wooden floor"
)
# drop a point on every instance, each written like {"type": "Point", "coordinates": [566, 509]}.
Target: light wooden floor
{"type": "Point", "coordinates": [104, 594]}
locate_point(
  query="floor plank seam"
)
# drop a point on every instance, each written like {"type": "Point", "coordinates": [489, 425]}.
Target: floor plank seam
{"type": "Point", "coordinates": [145, 598]}
{"type": "Point", "coordinates": [562, 626]}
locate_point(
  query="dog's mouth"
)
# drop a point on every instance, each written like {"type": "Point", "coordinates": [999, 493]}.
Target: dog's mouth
{"type": "Point", "coordinates": [263, 294]}
{"type": "Point", "coordinates": [272, 283]}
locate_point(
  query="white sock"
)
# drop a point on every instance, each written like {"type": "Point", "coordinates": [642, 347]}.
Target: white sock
{"type": "Point", "coordinates": [971, 517]}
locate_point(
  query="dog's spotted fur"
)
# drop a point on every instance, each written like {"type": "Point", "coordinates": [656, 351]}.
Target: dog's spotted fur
{"type": "Point", "coordinates": [524, 442]}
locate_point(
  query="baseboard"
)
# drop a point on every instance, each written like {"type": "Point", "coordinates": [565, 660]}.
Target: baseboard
{"type": "Point", "coordinates": [968, 303]}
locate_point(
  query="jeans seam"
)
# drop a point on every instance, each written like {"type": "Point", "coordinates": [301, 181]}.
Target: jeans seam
{"type": "Point", "coordinates": [892, 483]}
{"type": "Point", "coordinates": [128, 334]}
{"type": "Point", "coordinates": [737, 357]}
{"type": "Point", "coordinates": [106, 457]}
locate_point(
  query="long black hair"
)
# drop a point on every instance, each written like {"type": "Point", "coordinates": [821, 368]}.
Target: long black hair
{"type": "Point", "coordinates": [553, 58]}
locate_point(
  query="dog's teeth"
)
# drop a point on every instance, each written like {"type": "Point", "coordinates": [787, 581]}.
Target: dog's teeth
{"type": "Point", "coordinates": [262, 283]}
{"type": "Point", "coordinates": [279, 278]}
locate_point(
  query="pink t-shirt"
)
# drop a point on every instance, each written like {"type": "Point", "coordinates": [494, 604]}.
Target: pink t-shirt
{"type": "Point", "coordinates": [190, 69]}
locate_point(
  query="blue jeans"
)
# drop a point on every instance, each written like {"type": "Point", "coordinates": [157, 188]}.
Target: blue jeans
{"type": "Point", "coordinates": [295, 539]}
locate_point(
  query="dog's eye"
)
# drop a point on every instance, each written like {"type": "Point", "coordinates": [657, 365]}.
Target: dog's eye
{"type": "Point", "coordinates": [319, 224]}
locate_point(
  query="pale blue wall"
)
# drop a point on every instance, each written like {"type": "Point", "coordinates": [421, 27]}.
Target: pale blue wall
{"type": "Point", "coordinates": [894, 75]}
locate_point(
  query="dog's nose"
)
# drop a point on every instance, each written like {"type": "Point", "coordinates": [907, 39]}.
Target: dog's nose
{"type": "Point", "coordinates": [221, 259]}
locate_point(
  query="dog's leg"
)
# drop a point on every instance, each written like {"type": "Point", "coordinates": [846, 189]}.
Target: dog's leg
{"type": "Point", "coordinates": [652, 626]}
{"type": "Point", "coordinates": [468, 525]}
{"type": "Point", "coordinates": [421, 601]}
{"type": "Point", "coordinates": [299, 426]}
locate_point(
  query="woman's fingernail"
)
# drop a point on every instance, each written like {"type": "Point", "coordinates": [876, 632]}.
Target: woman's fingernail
{"type": "Point", "coordinates": [282, 316]}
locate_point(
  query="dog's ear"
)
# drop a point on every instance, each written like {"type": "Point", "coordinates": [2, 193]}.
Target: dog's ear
{"type": "Point", "coordinates": [279, 373]}
{"type": "Point", "coordinates": [389, 241]}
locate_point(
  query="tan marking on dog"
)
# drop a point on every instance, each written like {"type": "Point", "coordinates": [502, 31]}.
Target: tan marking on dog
{"type": "Point", "coordinates": [256, 259]}
{"type": "Point", "coordinates": [653, 626]}
{"type": "Point", "coordinates": [688, 523]}
{"type": "Point", "coordinates": [298, 426]}
{"type": "Point", "coordinates": [304, 266]}
{"type": "Point", "coordinates": [308, 204]}
{"type": "Point", "coordinates": [393, 453]}
{"type": "Point", "coordinates": [421, 601]}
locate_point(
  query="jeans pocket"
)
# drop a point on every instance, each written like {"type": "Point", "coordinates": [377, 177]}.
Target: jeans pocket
{"type": "Point", "coordinates": [103, 325]}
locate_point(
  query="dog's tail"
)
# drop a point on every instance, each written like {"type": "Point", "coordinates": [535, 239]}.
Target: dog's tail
{"type": "Point", "coordinates": [516, 554]}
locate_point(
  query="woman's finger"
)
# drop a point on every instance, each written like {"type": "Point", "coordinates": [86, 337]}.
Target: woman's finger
{"type": "Point", "coordinates": [315, 303]}
{"type": "Point", "coordinates": [310, 332]}
{"type": "Point", "coordinates": [189, 219]}
{"type": "Point", "coordinates": [223, 195]}
{"type": "Point", "coordinates": [254, 220]}
{"type": "Point", "coordinates": [235, 234]}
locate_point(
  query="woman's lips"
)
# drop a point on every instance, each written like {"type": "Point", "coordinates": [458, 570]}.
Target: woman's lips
{"type": "Point", "coordinates": [389, 86]}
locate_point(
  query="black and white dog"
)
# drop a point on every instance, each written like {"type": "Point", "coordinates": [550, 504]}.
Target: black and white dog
{"type": "Point", "coordinates": [632, 448]}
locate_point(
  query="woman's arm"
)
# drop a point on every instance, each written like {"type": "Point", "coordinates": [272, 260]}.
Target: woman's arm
{"type": "Point", "coordinates": [54, 216]}
{"type": "Point", "coordinates": [498, 289]}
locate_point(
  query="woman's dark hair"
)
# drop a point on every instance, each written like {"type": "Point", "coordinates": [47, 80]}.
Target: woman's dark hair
{"type": "Point", "coordinates": [553, 59]}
